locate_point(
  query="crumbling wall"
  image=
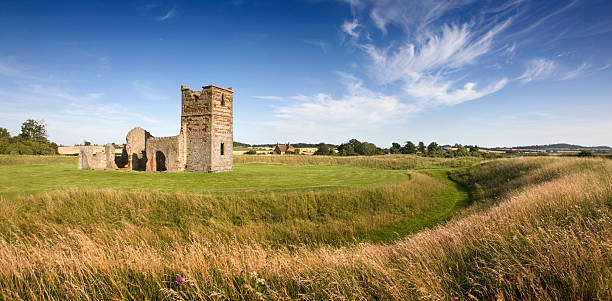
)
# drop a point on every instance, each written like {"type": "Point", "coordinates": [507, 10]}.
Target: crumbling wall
{"type": "Point", "coordinates": [85, 157]}
{"type": "Point", "coordinates": [105, 159]}
{"type": "Point", "coordinates": [136, 141]}
{"type": "Point", "coordinates": [109, 156]}
{"type": "Point", "coordinates": [163, 154]}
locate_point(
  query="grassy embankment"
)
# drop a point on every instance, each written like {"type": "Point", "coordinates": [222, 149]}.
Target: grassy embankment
{"type": "Point", "coordinates": [541, 228]}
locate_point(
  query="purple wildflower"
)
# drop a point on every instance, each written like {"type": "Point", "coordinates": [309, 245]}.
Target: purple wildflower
{"type": "Point", "coordinates": [122, 249]}
{"type": "Point", "coordinates": [184, 245]}
{"type": "Point", "coordinates": [208, 282]}
{"type": "Point", "coordinates": [454, 298]}
{"type": "Point", "coordinates": [180, 280]}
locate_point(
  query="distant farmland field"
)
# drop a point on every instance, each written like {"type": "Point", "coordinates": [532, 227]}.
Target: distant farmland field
{"type": "Point", "coordinates": [308, 227]}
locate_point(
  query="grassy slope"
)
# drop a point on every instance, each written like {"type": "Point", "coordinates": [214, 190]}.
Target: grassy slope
{"type": "Point", "coordinates": [35, 178]}
{"type": "Point", "coordinates": [544, 232]}
{"type": "Point", "coordinates": [452, 198]}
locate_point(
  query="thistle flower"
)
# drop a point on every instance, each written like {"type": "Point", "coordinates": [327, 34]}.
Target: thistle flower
{"type": "Point", "coordinates": [180, 280]}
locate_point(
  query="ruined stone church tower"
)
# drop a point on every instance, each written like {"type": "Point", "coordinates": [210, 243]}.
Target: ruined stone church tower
{"type": "Point", "coordinates": [204, 144]}
{"type": "Point", "coordinates": [207, 129]}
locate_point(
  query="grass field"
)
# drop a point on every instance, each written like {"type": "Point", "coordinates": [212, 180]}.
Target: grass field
{"type": "Point", "coordinates": [380, 162]}
{"type": "Point", "coordinates": [62, 174]}
{"type": "Point", "coordinates": [506, 229]}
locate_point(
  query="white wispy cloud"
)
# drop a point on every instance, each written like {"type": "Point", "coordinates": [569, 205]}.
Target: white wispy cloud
{"type": "Point", "coordinates": [171, 13]}
{"type": "Point", "coordinates": [542, 19]}
{"type": "Point", "coordinates": [575, 73]}
{"type": "Point", "coordinates": [349, 28]}
{"type": "Point", "coordinates": [320, 44]}
{"type": "Point", "coordinates": [422, 66]}
{"type": "Point", "coordinates": [537, 69]}
{"type": "Point", "coordinates": [359, 108]}
{"type": "Point", "coordinates": [269, 97]}
{"type": "Point", "coordinates": [442, 93]}
{"type": "Point", "coordinates": [414, 17]}
{"type": "Point", "coordinates": [13, 69]}
{"type": "Point", "coordinates": [453, 47]}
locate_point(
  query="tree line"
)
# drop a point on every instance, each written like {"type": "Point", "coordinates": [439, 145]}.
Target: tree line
{"type": "Point", "coordinates": [355, 147]}
{"type": "Point", "coordinates": [352, 148]}
{"type": "Point", "coordinates": [32, 140]}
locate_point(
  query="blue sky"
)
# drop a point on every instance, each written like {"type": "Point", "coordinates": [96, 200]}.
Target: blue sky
{"type": "Point", "coordinates": [490, 73]}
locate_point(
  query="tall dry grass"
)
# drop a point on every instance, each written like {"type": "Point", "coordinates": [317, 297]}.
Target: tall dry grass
{"type": "Point", "coordinates": [383, 162]}
{"type": "Point", "coordinates": [549, 237]}
{"type": "Point", "coordinates": [334, 217]}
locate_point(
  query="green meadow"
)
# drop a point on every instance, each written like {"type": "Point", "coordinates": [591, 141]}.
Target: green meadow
{"type": "Point", "coordinates": [396, 227]}
{"type": "Point", "coordinates": [23, 178]}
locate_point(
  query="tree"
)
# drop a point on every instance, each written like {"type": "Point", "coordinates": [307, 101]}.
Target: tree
{"type": "Point", "coordinates": [347, 149]}
{"type": "Point", "coordinates": [34, 130]}
{"type": "Point", "coordinates": [396, 148]}
{"type": "Point", "coordinates": [4, 133]}
{"type": "Point", "coordinates": [86, 143]}
{"type": "Point", "coordinates": [585, 153]}
{"type": "Point", "coordinates": [474, 150]}
{"type": "Point", "coordinates": [323, 150]}
{"type": "Point", "coordinates": [368, 149]}
{"type": "Point", "coordinates": [433, 149]}
{"type": "Point", "coordinates": [409, 148]}
{"type": "Point", "coordinates": [421, 147]}
{"type": "Point", "coordinates": [462, 151]}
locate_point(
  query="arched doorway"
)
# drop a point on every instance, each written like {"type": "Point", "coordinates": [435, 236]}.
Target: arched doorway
{"type": "Point", "coordinates": [160, 161]}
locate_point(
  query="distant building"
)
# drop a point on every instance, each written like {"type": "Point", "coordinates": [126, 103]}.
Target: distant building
{"type": "Point", "coordinates": [281, 149]}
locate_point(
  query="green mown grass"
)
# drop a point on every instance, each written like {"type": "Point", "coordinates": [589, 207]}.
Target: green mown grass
{"type": "Point", "coordinates": [450, 199]}
{"type": "Point", "coordinates": [25, 179]}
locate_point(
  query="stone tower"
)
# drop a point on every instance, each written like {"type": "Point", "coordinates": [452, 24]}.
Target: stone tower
{"type": "Point", "coordinates": [207, 137]}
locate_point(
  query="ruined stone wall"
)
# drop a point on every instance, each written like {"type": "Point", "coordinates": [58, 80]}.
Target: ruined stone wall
{"type": "Point", "coordinates": [136, 141]}
{"type": "Point", "coordinates": [222, 130]}
{"type": "Point", "coordinates": [195, 126]}
{"type": "Point", "coordinates": [163, 154]}
{"type": "Point", "coordinates": [100, 160]}
{"type": "Point", "coordinates": [204, 144]}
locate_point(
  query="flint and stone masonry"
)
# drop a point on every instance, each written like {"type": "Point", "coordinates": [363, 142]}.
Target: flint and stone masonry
{"type": "Point", "coordinates": [204, 144]}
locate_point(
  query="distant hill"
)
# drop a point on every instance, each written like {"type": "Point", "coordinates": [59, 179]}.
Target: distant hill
{"type": "Point", "coordinates": [558, 146]}
{"type": "Point", "coordinates": [236, 143]}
